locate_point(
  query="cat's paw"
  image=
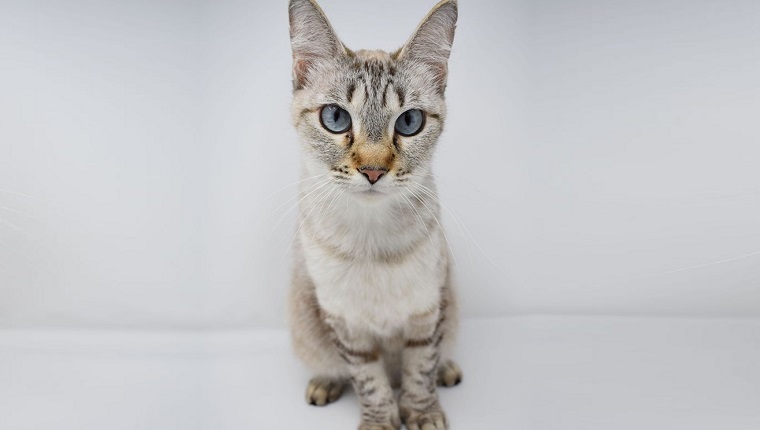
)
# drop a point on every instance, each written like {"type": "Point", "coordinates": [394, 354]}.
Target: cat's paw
{"type": "Point", "coordinates": [431, 419]}
{"type": "Point", "coordinates": [449, 374]}
{"type": "Point", "coordinates": [390, 420]}
{"type": "Point", "coordinates": [322, 390]}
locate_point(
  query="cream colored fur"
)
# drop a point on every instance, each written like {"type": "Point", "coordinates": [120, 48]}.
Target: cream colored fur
{"type": "Point", "coordinates": [371, 301]}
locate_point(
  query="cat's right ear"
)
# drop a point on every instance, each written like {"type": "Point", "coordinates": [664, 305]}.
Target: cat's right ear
{"type": "Point", "coordinates": [312, 39]}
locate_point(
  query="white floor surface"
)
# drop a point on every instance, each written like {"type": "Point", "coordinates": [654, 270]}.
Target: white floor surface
{"type": "Point", "coordinates": [539, 373]}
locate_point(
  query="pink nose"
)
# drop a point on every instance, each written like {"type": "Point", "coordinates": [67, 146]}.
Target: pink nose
{"type": "Point", "coordinates": [373, 173]}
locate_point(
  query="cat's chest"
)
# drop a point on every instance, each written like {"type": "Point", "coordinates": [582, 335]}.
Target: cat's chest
{"type": "Point", "coordinates": [377, 295]}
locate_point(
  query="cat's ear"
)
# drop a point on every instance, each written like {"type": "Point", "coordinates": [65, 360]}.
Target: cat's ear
{"type": "Point", "coordinates": [311, 37]}
{"type": "Point", "coordinates": [430, 45]}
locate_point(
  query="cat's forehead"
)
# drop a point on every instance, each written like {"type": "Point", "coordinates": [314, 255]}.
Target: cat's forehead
{"type": "Point", "coordinates": [372, 56]}
{"type": "Point", "coordinates": [372, 81]}
{"type": "Point", "coordinates": [373, 85]}
{"type": "Point", "coordinates": [372, 64]}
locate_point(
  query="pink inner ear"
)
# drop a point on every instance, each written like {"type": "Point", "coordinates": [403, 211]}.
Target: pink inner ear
{"type": "Point", "coordinates": [300, 67]}
{"type": "Point", "coordinates": [441, 71]}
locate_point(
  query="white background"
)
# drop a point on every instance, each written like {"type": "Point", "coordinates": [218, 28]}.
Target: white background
{"type": "Point", "coordinates": [602, 155]}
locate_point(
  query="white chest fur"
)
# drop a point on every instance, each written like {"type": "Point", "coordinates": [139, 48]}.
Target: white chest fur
{"type": "Point", "coordinates": [372, 294]}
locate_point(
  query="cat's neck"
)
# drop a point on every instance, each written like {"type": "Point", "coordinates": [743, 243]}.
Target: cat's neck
{"type": "Point", "coordinates": [358, 224]}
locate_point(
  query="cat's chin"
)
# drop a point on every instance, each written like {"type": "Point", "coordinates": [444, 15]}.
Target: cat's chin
{"type": "Point", "coordinates": [371, 194]}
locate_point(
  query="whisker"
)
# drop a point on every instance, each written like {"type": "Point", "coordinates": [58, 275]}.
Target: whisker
{"type": "Point", "coordinates": [490, 260]}
{"type": "Point", "coordinates": [315, 204]}
{"type": "Point", "coordinates": [424, 224]}
{"type": "Point", "coordinates": [288, 201]}
{"type": "Point", "coordinates": [700, 266]}
{"type": "Point", "coordinates": [24, 195]}
{"type": "Point", "coordinates": [18, 212]}
{"type": "Point", "coordinates": [25, 233]}
{"type": "Point", "coordinates": [443, 231]}
{"type": "Point", "coordinates": [294, 183]}
{"type": "Point", "coordinates": [309, 206]}
{"type": "Point", "coordinates": [22, 255]}
{"type": "Point", "coordinates": [326, 211]}
{"type": "Point", "coordinates": [434, 196]}
{"type": "Point", "coordinates": [282, 217]}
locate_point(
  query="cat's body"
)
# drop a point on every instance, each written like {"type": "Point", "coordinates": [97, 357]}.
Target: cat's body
{"type": "Point", "coordinates": [371, 301]}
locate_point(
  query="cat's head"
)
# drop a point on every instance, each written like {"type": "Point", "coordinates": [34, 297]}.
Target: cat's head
{"type": "Point", "coordinates": [369, 120]}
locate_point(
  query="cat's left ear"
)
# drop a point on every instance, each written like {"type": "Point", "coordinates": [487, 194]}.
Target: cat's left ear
{"type": "Point", "coordinates": [430, 45]}
{"type": "Point", "coordinates": [312, 39]}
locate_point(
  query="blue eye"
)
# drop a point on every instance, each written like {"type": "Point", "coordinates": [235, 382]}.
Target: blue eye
{"type": "Point", "coordinates": [335, 119]}
{"type": "Point", "coordinates": [410, 122]}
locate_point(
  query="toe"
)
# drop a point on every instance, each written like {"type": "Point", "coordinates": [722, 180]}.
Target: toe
{"type": "Point", "coordinates": [449, 374]}
{"type": "Point", "coordinates": [320, 396]}
{"type": "Point", "coordinates": [322, 391]}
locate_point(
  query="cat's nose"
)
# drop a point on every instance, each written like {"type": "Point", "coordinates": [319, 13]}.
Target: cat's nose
{"type": "Point", "coordinates": [372, 173]}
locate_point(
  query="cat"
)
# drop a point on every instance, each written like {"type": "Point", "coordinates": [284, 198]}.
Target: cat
{"type": "Point", "coordinates": [371, 300]}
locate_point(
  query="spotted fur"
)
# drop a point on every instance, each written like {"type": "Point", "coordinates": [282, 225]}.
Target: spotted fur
{"type": "Point", "coordinates": [371, 300]}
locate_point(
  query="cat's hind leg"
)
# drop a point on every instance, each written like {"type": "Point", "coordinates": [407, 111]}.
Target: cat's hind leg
{"type": "Point", "coordinates": [449, 373]}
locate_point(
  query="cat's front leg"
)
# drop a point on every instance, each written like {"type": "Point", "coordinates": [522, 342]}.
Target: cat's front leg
{"type": "Point", "coordinates": [362, 354]}
{"type": "Point", "coordinates": [420, 409]}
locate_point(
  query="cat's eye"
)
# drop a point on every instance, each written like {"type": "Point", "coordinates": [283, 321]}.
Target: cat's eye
{"type": "Point", "coordinates": [335, 119]}
{"type": "Point", "coordinates": [410, 122]}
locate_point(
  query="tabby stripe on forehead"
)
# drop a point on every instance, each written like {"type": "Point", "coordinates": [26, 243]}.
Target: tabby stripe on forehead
{"type": "Point", "coordinates": [400, 94]}
{"type": "Point", "coordinates": [351, 89]}
{"type": "Point", "coordinates": [385, 93]}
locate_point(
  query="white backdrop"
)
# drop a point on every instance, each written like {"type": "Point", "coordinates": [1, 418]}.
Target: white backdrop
{"type": "Point", "coordinates": [602, 156]}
